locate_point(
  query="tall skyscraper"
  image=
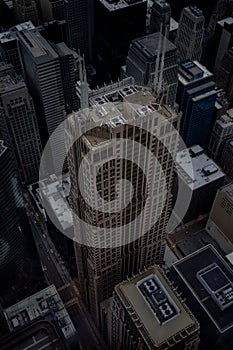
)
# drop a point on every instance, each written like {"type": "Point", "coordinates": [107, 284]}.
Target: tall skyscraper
{"type": "Point", "coordinates": [147, 313]}
{"type": "Point", "coordinates": [44, 80]}
{"type": "Point", "coordinates": [222, 132]}
{"type": "Point", "coordinates": [18, 123]}
{"type": "Point", "coordinates": [100, 269]}
{"type": "Point", "coordinates": [224, 78]}
{"type": "Point", "coordinates": [196, 96]}
{"type": "Point", "coordinates": [153, 60]}
{"type": "Point", "coordinates": [226, 160]}
{"type": "Point", "coordinates": [26, 10]}
{"type": "Point", "coordinates": [69, 66]}
{"type": "Point", "coordinates": [190, 33]}
{"type": "Point", "coordinates": [125, 20]}
{"type": "Point", "coordinates": [79, 25]}
{"type": "Point", "coordinates": [160, 17]}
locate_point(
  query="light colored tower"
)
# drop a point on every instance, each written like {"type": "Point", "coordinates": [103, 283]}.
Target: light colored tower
{"type": "Point", "coordinates": [18, 123]}
{"type": "Point", "coordinates": [190, 33]}
{"type": "Point", "coordinates": [123, 239]}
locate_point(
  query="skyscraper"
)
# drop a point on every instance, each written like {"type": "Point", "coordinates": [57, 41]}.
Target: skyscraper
{"type": "Point", "coordinates": [160, 17]}
{"type": "Point", "coordinates": [147, 313]}
{"type": "Point", "coordinates": [224, 78]}
{"type": "Point", "coordinates": [153, 60]}
{"type": "Point", "coordinates": [68, 64]}
{"type": "Point", "coordinates": [125, 20]}
{"type": "Point", "coordinates": [79, 24]}
{"type": "Point", "coordinates": [52, 10]}
{"type": "Point", "coordinates": [196, 96]}
{"type": "Point", "coordinates": [26, 10]}
{"type": "Point", "coordinates": [190, 33]}
{"type": "Point", "coordinates": [44, 80]}
{"type": "Point", "coordinates": [222, 132]}
{"type": "Point", "coordinates": [18, 123]}
{"type": "Point", "coordinates": [105, 259]}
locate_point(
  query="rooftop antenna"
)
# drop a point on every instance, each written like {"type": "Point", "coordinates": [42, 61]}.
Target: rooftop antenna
{"type": "Point", "coordinates": [158, 60]}
{"type": "Point", "coordinates": [83, 83]}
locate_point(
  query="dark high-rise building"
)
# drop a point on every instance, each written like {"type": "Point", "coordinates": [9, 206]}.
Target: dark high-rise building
{"type": "Point", "coordinates": [43, 72]}
{"type": "Point", "coordinates": [10, 52]}
{"type": "Point", "coordinates": [116, 25]}
{"type": "Point", "coordinates": [18, 123]}
{"type": "Point", "coordinates": [17, 251]}
{"type": "Point", "coordinates": [52, 10]}
{"type": "Point", "coordinates": [26, 10]}
{"type": "Point", "coordinates": [100, 269]}
{"type": "Point", "coordinates": [190, 33]}
{"type": "Point", "coordinates": [160, 17]}
{"type": "Point", "coordinates": [68, 64]}
{"type": "Point", "coordinates": [79, 26]}
{"type": "Point", "coordinates": [153, 60]}
{"type": "Point", "coordinates": [224, 78]}
{"type": "Point", "coordinates": [196, 96]}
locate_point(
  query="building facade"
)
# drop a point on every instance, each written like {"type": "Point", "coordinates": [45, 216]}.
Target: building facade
{"type": "Point", "coordinates": [190, 33]}
{"type": "Point", "coordinates": [19, 124]}
{"type": "Point", "coordinates": [105, 259]}
{"type": "Point", "coordinates": [224, 78]}
{"type": "Point", "coordinates": [196, 96]}
{"type": "Point", "coordinates": [160, 17]}
{"type": "Point", "coordinates": [146, 313]}
{"type": "Point", "coordinates": [226, 160]}
{"type": "Point", "coordinates": [153, 60]}
{"type": "Point", "coordinates": [26, 10]}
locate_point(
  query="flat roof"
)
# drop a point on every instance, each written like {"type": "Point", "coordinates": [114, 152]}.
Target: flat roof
{"type": "Point", "coordinates": [186, 73]}
{"type": "Point", "coordinates": [35, 306]}
{"type": "Point", "coordinates": [190, 268]}
{"type": "Point", "coordinates": [120, 4]}
{"type": "Point", "coordinates": [228, 190]}
{"type": "Point", "coordinates": [198, 171]}
{"type": "Point", "coordinates": [149, 44]}
{"type": "Point", "coordinates": [149, 324]}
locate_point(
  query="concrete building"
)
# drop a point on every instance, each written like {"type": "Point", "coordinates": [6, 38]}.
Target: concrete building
{"type": "Point", "coordinates": [19, 124]}
{"type": "Point", "coordinates": [43, 72]}
{"type": "Point", "coordinates": [104, 260]}
{"type": "Point", "coordinates": [160, 17]}
{"type": "Point", "coordinates": [202, 178]}
{"type": "Point", "coordinates": [220, 221]}
{"type": "Point", "coordinates": [147, 313]}
{"type": "Point", "coordinates": [190, 33]}
{"type": "Point", "coordinates": [206, 281]}
{"type": "Point", "coordinates": [36, 306]}
{"type": "Point", "coordinates": [68, 64]}
{"type": "Point", "coordinates": [79, 26]}
{"type": "Point", "coordinates": [224, 78]}
{"type": "Point", "coordinates": [153, 61]}
{"type": "Point", "coordinates": [26, 10]}
{"type": "Point", "coordinates": [125, 20]}
{"type": "Point", "coordinates": [221, 104]}
{"type": "Point", "coordinates": [196, 96]}
{"type": "Point", "coordinates": [226, 160]}
{"type": "Point", "coordinates": [223, 41]}
{"type": "Point", "coordinates": [52, 10]}
{"type": "Point", "coordinates": [222, 132]}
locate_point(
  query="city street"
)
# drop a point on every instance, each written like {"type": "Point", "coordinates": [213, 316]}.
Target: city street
{"type": "Point", "coordinates": [57, 274]}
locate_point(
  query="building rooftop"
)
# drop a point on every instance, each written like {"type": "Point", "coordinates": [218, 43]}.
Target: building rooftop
{"type": "Point", "coordinates": [190, 71]}
{"type": "Point", "coordinates": [195, 11]}
{"type": "Point", "coordinates": [158, 313]}
{"type": "Point", "coordinates": [113, 5]}
{"type": "Point", "coordinates": [37, 305]}
{"type": "Point", "coordinates": [198, 171]}
{"type": "Point", "coordinates": [56, 191]}
{"type": "Point", "coordinates": [37, 45]}
{"type": "Point", "coordinates": [210, 280]}
{"type": "Point", "coordinates": [149, 44]}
